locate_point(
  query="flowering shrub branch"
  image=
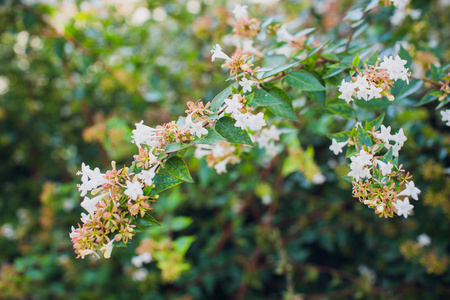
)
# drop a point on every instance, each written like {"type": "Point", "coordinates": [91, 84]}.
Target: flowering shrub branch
{"type": "Point", "coordinates": [244, 114]}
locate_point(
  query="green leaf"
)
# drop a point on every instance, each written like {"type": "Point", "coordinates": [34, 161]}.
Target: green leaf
{"type": "Point", "coordinates": [147, 220]}
{"type": "Point", "coordinates": [340, 137]}
{"type": "Point", "coordinates": [180, 223]}
{"type": "Point", "coordinates": [403, 90]}
{"type": "Point", "coordinates": [373, 59]}
{"type": "Point", "coordinates": [220, 98]}
{"type": "Point", "coordinates": [182, 244]}
{"type": "Point", "coordinates": [175, 146]}
{"type": "Point", "coordinates": [363, 137]}
{"type": "Point", "coordinates": [176, 167]}
{"type": "Point", "coordinates": [263, 98]}
{"type": "Point", "coordinates": [304, 81]}
{"type": "Point", "coordinates": [280, 69]}
{"type": "Point", "coordinates": [405, 55]}
{"type": "Point", "coordinates": [429, 97]}
{"type": "Point", "coordinates": [373, 104]}
{"type": "Point", "coordinates": [318, 97]}
{"type": "Point", "coordinates": [341, 108]}
{"type": "Point", "coordinates": [273, 61]}
{"type": "Point", "coordinates": [355, 61]}
{"type": "Point", "coordinates": [163, 182]}
{"type": "Point", "coordinates": [388, 156]}
{"type": "Point", "coordinates": [377, 122]}
{"type": "Point", "coordinates": [225, 127]}
{"type": "Point", "coordinates": [211, 138]}
{"type": "Point", "coordinates": [285, 109]}
{"type": "Point", "coordinates": [332, 72]}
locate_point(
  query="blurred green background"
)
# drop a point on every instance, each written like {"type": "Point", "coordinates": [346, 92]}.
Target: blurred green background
{"type": "Point", "coordinates": [76, 75]}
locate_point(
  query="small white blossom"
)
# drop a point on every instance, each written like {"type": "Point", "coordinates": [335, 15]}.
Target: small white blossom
{"type": "Point", "coordinates": [74, 233]}
{"type": "Point", "coordinates": [347, 90]}
{"type": "Point", "coordinates": [446, 116]}
{"type": "Point", "coordinates": [221, 167]}
{"type": "Point", "coordinates": [246, 85]}
{"type": "Point", "coordinates": [144, 134]}
{"type": "Point", "coordinates": [403, 207]}
{"type": "Point", "coordinates": [147, 176]}
{"type": "Point", "coordinates": [90, 205]}
{"type": "Point", "coordinates": [242, 120]}
{"type": "Point", "coordinates": [318, 178]}
{"type": "Point", "coordinates": [107, 249]}
{"type": "Point", "coordinates": [336, 146]}
{"type": "Point", "coordinates": [410, 190]}
{"type": "Point", "coordinates": [240, 11]}
{"type": "Point", "coordinates": [256, 122]}
{"type": "Point", "coordinates": [272, 133]}
{"type": "Point", "coordinates": [218, 151]}
{"type": "Point", "coordinates": [385, 134]}
{"type": "Point", "coordinates": [85, 218]}
{"type": "Point", "coordinates": [386, 169]}
{"type": "Point", "coordinates": [217, 53]}
{"type": "Point", "coordinates": [233, 105]}
{"type": "Point", "coordinates": [423, 240]}
{"type": "Point", "coordinates": [198, 129]}
{"type": "Point", "coordinates": [395, 68]}
{"type": "Point", "coordinates": [145, 257]}
{"type": "Point", "coordinates": [90, 179]}
{"type": "Point", "coordinates": [202, 150]}
{"type": "Point", "coordinates": [139, 275]}
{"type": "Point", "coordinates": [399, 137]}
{"type": "Point", "coordinates": [133, 190]}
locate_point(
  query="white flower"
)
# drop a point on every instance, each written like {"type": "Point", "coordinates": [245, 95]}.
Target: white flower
{"type": "Point", "coordinates": [107, 249]}
{"type": "Point", "coordinates": [221, 167]}
{"type": "Point", "coordinates": [336, 146]}
{"type": "Point", "coordinates": [75, 233]}
{"type": "Point", "coordinates": [147, 175]}
{"type": "Point", "coordinates": [446, 116]}
{"type": "Point", "coordinates": [385, 135]}
{"type": "Point", "coordinates": [410, 190]}
{"type": "Point", "coordinates": [318, 178]}
{"type": "Point", "coordinates": [139, 275]}
{"type": "Point", "coordinates": [218, 151]}
{"type": "Point", "coordinates": [403, 207]}
{"type": "Point", "coordinates": [347, 90]}
{"type": "Point", "coordinates": [233, 105]}
{"type": "Point", "coordinates": [134, 189]}
{"type": "Point", "coordinates": [217, 53]}
{"type": "Point", "coordinates": [399, 137]}
{"type": "Point", "coordinates": [202, 150]}
{"type": "Point", "coordinates": [246, 85]}
{"type": "Point", "coordinates": [400, 3]}
{"type": "Point", "coordinates": [423, 240]}
{"type": "Point", "coordinates": [85, 217]}
{"type": "Point", "coordinates": [395, 150]}
{"type": "Point", "coordinates": [357, 166]}
{"type": "Point", "coordinates": [272, 149]}
{"type": "Point", "coordinates": [240, 11]}
{"type": "Point", "coordinates": [145, 257]}
{"type": "Point", "coordinates": [395, 68]}
{"type": "Point", "coordinates": [273, 133]}
{"type": "Point", "coordinates": [386, 169]}
{"type": "Point", "coordinates": [198, 129]}
{"type": "Point", "coordinates": [398, 16]}
{"type": "Point", "coordinates": [242, 120]}
{"type": "Point", "coordinates": [90, 179]}
{"type": "Point", "coordinates": [256, 122]}
{"type": "Point", "coordinates": [144, 134]}
{"type": "Point", "coordinates": [363, 85]}
{"type": "Point", "coordinates": [374, 92]}
{"type": "Point", "coordinates": [90, 205]}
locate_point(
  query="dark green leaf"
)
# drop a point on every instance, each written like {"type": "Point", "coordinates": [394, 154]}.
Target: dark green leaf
{"type": "Point", "coordinates": [211, 138]}
{"type": "Point", "coordinates": [373, 104]}
{"type": "Point", "coordinates": [340, 137]}
{"type": "Point", "coordinates": [220, 98]}
{"type": "Point", "coordinates": [225, 127]}
{"type": "Point", "coordinates": [318, 97]}
{"type": "Point", "coordinates": [163, 182]}
{"type": "Point", "coordinates": [175, 146]}
{"type": "Point", "coordinates": [341, 108]}
{"type": "Point", "coordinates": [405, 55]}
{"type": "Point", "coordinates": [429, 97]}
{"type": "Point", "coordinates": [147, 220]}
{"type": "Point", "coordinates": [176, 167]}
{"type": "Point", "coordinates": [377, 122]}
{"type": "Point", "coordinates": [280, 69]}
{"type": "Point", "coordinates": [263, 98]}
{"type": "Point", "coordinates": [285, 109]}
{"type": "Point", "coordinates": [304, 81]}
{"type": "Point", "coordinates": [363, 137]}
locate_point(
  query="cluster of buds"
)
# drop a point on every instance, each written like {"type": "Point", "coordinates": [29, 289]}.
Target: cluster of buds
{"type": "Point", "coordinates": [445, 87]}
{"type": "Point", "coordinates": [375, 81]}
{"type": "Point", "coordinates": [245, 26]}
{"type": "Point", "coordinates": [239, 62]}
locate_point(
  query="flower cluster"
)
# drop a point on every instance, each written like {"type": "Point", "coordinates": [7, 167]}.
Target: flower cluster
{"type": "Point", "coordinates": [375, 81]}
{"type": "Point", "coordinates": [378, 181]}
{"type": "Point", "coordinates": [219, 155]}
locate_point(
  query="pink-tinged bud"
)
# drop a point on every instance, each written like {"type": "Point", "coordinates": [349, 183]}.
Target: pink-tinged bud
{"type": "Point", "coordinates": [118, 237]}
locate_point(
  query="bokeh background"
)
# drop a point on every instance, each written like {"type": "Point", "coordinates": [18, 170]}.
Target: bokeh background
{"type": "Point", "coordinates": [76, 75]}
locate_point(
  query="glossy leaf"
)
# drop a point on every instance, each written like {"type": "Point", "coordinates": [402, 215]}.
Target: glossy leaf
{"type": "Point", "coordinates": [304, 81]}
{"type": "Point", "coordinates": [176, 167]}
{"type": "Point", "coordinates": [225, 127]}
